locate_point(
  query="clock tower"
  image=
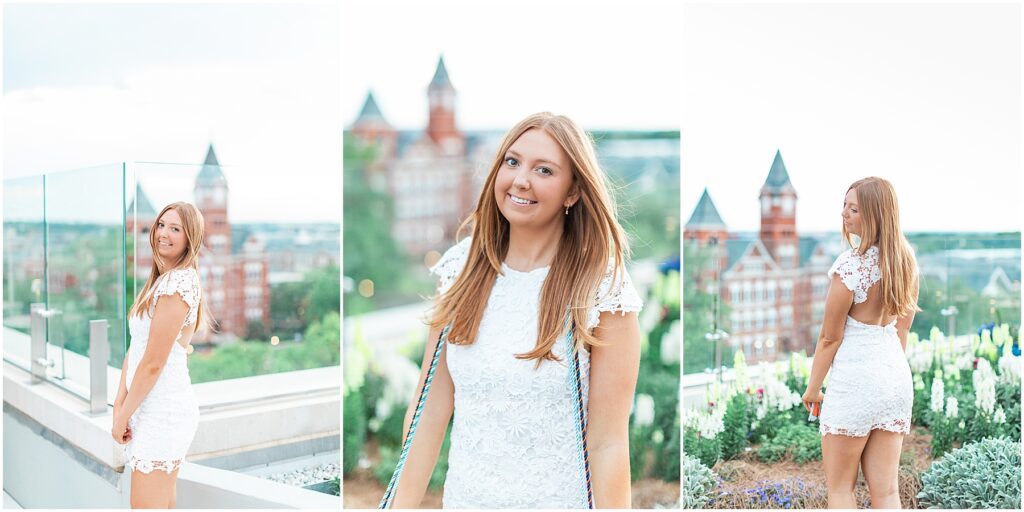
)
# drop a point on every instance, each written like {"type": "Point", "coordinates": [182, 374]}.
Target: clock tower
{"type": "Point", "coordinates": [778, 216]}
{"type": "Point", "coordinates": [211, 192]}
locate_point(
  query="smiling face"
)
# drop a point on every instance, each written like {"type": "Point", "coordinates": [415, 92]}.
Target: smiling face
{"type": "Point", "coordinates": [851, 212]}
{"type": "Point", "coordinates": [534, 184]}
{"type": "Point", "coordinates": [171, 241]}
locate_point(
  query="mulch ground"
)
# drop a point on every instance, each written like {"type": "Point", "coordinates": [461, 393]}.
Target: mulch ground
{"type": "Point", "coordinates": [746, 472]}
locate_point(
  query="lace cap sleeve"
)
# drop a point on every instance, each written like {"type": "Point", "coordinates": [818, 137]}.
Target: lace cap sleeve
{"type": "Point", "coordinates": [615, 294]}
{"type": "Point", "coordinates": [857, 271]}
{"type": "Point", "coordinates": [448, 268]}
{"type": "Point", "coordinates": [183, 282]}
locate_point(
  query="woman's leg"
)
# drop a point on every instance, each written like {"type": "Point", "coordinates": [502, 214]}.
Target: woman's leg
{"type": "Point", "coordinates": [881, 465]}
{"type": "Point", "coordinates": [174, 490]}
{"type": "Point", "coordinates": [153, 490]}
{"type": "Point", "coordinates": [841, 457]}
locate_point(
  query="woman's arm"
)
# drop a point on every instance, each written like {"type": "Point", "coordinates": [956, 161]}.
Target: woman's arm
{"type": "Point", "coordinates": [904, 322]}
{"type": "Point", "coordinates": [437, 411]}
{"type": "Point", "coordinates": [168, 319]}
{"type": "Point", "coordinates": [613, 372]}
{"type": "Point", "coordinates": [837, 307]}
{"type": "Point", "coordinates": [122, 391]}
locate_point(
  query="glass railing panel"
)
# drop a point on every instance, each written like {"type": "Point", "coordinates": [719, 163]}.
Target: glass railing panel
{"type": "Point", "coordinates": [24, 261]}
{"type": "Point", "coordinates": [85, 266]}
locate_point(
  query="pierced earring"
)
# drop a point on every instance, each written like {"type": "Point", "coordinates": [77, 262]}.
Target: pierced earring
{"type": "Point", "coordinates": [567, 210]}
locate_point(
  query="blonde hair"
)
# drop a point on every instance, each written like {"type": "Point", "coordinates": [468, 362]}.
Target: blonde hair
{"type": "Point", "coordinates": [880, 225]}
{"type": "Point", "coordinates": [193, 225]}
{"type": "Point", "coordinates": [591, 238]}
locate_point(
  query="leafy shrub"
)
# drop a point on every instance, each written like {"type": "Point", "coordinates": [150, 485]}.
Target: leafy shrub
{"type": "Point", "coordinates": [354, 435]}
{"type": "Point", "coordinates": [985, 474]}
{"type": "Point", "coordinates": [801, 442]}
{"type": "Point", "coordinates": [707, 450]}
{"type": "Point", "coordinates": [666, 464]}
{"type": "Point", "coordinates": [698, 483]}
{"type": "Point", "coordinates": [737, 425]}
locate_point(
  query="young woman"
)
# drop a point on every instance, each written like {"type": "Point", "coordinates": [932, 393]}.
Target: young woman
{"type": "Point", "coordinates": [155, 412]}
{"type": "Point", "coordinates": [870, 306]}
{"type": "Point", "coordinates": [546, 253]}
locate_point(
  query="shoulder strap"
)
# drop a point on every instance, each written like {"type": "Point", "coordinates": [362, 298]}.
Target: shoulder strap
{"type": "Point", "coordinates": [575, 381]}
{"type": "Point", "coordinates": [389, 494]}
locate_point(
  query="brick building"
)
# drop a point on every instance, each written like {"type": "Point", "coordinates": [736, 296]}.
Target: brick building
{"type": "Point", "coordinates": [773, 281]}
{"type": "Point", "coordinates": [433, 175]}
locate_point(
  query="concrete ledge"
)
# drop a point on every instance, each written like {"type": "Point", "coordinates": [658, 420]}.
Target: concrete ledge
{"type": "Point", "coordinates": [204, 487]}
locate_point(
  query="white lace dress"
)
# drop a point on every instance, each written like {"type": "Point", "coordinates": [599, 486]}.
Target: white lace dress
{"type": "Point", "coordinates": [165, 423]}
{"type": "Point", "coordinates": [513, 439]}
{"type": "Point", "coordinates": [870, 385]}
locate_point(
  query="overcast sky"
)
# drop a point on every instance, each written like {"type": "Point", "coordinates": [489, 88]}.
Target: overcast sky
{"type": "Point", "coordinates": [606, 65]}
{"type": "Point", "coordinates": [925, 95]}
{"type": "Point", "coordinates": [91, 84]}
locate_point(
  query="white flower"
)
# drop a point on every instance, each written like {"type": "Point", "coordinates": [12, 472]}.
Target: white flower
{"type": "Point", "coordinates": [670, 343]}
{"type": "Point", "coordinates": [938, 390]}
{"type": "Point", "coordinates": [952, 407]}
{"type": "Point", "coordinates": [1009, 369]}
{"type": "Point", "coordinates": [643, 410]}
{"type": "Point", "coordinates": [1000, 416]}
{"type": "Point", "coordinates": [658, 436]}
{"type": "Point", "coordinates": [984, 387]}
{"type": "Point", "coordinates": [709, 424]}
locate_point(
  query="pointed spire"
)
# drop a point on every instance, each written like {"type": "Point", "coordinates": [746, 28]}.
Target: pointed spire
{"type": "Point", "coordinates": [210, 173]}
{"type": "Point", "coordinates": [370, 109]}
{"type": "Point", "coordinates": [141, 207]}
{"type": "Point", "coordinates": [211, 157]}
{"type": "Point", "coordinates": [705, 215]}
{"type": "Point", "coordinates": [778, 177]}
{"type": "Point", "coordinates": [440, 75]}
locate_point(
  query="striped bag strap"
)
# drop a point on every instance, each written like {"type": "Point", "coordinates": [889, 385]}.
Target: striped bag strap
{"type": "Point", "coordinates": [576, 381]}
{"type": "Point", "coordinates": [389, 494]}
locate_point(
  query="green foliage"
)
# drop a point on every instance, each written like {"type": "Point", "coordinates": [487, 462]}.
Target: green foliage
{"type": "Point", "coordinates": [666, 464]}
{"type": "Point", "coordinates": [698, 483]}
{"type": "Point", "coordinates": [737, 426]}
{"type": "Point", "coordinates": [370, 251]}
{"type": "Point", "coordinates": [294, 306]}
{"type": "Point", "coordinates": [708, 451]}
{"type": "Point", "coordinates": [698, 352]}
{"type": "Point", "coordinates": [354, 430]}
{"type": "Point", "coordinates": [772, 424]}
{"type": "Point", "coordinates": [320, 347]}
{"type": "Point", "coordinates": [801, 442]}
{"type": "Point", "coordinates": [984, 474]}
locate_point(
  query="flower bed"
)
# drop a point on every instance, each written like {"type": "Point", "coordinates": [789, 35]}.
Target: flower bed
{"type": "Point", "coordinates": [756, 437]}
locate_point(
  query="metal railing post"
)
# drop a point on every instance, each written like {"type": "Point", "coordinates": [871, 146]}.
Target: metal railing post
{"type": "Point", "coordinates": [37, 346]}
{"type": "Point", "coordinates": [99, 353]}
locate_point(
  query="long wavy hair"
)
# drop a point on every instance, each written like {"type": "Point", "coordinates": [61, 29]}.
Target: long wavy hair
{"type": "Point", "coordinates": [591, 241]}
{"type": "Point", "coordinates": [192, 225]}
{"type": "Point", "coordinates": [880, 226]}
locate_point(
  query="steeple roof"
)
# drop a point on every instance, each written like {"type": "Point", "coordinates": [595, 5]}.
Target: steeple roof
{"type": "Point", "coordinates": [705, 215]}
{"type": "Point", "coordinates": [778, 177]}
{"type": "Point", "coordinates": [141, 206]}
{"type": "Point", "coordinates": [440, 75]}
{"type": "Point", "coordinates": [210, 173]}
{"type": "Point", "coordinates": [370, 109]}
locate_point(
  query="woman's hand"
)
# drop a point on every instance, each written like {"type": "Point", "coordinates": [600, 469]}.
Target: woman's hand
{"type": "Point", "coordinates": [120, 430]}
{"type": "Point", "coordinates": [812, 396]}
